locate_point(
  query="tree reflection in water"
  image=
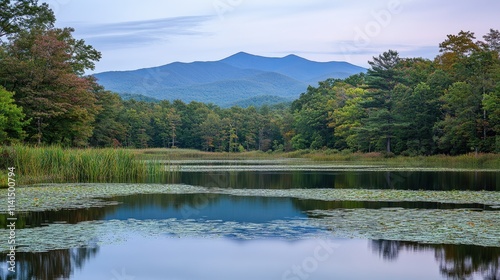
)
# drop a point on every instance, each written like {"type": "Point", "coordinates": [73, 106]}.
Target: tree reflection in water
{"type": "Point", "coordinates": [455, 261]}
{"type": "Point", "coordinates": [403, 180]}
{"type": "Point", "coordinates": [58, 264]}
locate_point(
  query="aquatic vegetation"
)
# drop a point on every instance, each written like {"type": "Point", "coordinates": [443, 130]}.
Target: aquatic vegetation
{"type": "Point", "coordinates": [56, 165]}
{"type": "Point", "coordinates": [468, 161]}
{"type": "Point", "coordinates": [460, 226]}
{"type": "Point", "coordinates": [92, 233]}
{"type": "Point", "coordinates": [74, 196]}
{"type": "Point", "coordinates": [461, 197]}
{"type": "Point", "coordinates": [480, 228]}
{"type": "Point", "coordinates": [448, 226]}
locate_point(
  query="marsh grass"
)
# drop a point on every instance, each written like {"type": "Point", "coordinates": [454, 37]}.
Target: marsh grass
{"type": "Point", "coordinates": [185, 154]}
{"type": "Point", "coordinates": [472, 160]}
{"type": "Point", "coordinates": [60, 165]}
{"type": "Point", "coordinates": [468, 161]}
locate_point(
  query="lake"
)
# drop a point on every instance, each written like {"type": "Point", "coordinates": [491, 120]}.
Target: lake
{"type": "Point", "coordinates": [265, 220]}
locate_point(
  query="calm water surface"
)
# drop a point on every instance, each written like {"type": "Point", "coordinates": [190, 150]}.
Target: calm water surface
{"type": "Point", "coordinates": [274, 255]}
{"type": "Point", "coordinates": [405, 180]}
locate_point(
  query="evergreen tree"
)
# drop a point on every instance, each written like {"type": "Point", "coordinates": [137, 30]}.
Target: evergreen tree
{"type": "Point", "coordinates": [382, 122]}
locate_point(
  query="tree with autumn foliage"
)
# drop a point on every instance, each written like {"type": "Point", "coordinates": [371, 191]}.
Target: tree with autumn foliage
{"type": "Point", "coordinates": [474, 66]}
{"type": "Point", "coordinates": [409, 106]}
{"type": "Point", "coordinates": [44, 69]}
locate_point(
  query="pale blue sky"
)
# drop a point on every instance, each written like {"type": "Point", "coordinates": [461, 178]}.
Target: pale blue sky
{"type": "Point", "coordinates": [134, 34]}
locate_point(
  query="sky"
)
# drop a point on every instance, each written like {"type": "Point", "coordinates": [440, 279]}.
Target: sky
{"type": "Point", "coordinates": [134, 34]}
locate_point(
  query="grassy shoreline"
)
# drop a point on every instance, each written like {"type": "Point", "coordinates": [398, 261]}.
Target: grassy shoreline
{"type": "Point", "coordinates": [468, 161]}
{"type": "Point", "coordinates": [95, 165]}
{"type": "Point", "coordinates": [60, 165]}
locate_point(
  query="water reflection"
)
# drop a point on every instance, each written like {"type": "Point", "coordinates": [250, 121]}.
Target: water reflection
{"type": "Point", "coordinates": [455, 262]}
{"type": "Point", "coordinates": [211, 207]}
{"type": "Point", "coordinates": [167, 258]}
{"type": "Point", "coordinates": [406, 180]}
{"type": "Point", "coordinates": [59, 264]}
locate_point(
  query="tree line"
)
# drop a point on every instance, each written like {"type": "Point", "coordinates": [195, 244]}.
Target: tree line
{"type": "Point", "coordinates": [410, 106]}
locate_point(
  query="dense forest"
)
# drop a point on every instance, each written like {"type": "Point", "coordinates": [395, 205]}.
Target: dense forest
{"type": "Point", "coordinates": [409, 106]}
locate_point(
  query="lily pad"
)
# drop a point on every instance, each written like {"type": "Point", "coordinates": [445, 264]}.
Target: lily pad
{"type": "Point", "coordinates": [76, 196]}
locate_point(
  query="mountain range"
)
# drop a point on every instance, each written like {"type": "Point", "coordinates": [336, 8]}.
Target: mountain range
{"type": "Point", "coordinates": [236, 80]}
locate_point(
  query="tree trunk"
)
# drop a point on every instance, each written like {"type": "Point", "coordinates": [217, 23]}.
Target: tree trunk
{"type": "Point", "coordinates": [484, 116]}
{"type": "Point", "coordinates": [39, 131]}
{"type": "Point", "coordinates": [388, 144]}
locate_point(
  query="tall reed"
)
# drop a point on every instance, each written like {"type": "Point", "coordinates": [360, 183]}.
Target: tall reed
{"type": "Point", "coordinates": [60, 165]}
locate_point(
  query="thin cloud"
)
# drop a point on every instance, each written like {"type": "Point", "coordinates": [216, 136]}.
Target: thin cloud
{"type": "Point", "coordinates": [134, 33]}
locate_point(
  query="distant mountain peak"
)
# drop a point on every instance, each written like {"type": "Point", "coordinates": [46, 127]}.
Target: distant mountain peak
{"type": "Point", "coordinates": [296, 58]}
{"type": "Point", "coordinates": [241, 55]}
{"type": "Point", "coordinates": [241, 76]}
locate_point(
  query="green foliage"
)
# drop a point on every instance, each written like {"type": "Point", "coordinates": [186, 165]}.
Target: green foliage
{"type": "Point", "coordinates": [417, 108]}
{"type": "Point", "coordinates": [58, 165]}
{"type": "Point", "coordinates": [401, 106]}
{"type": "Point", "coordinates": [11, 118]}
{"type": "Point", "coordinates": [138, 97]}
{"type": "Point", "coordinates": [410, 106]}
{"type": "Point", "coordinates": [20, 15]}
{"type": "Point", "coordinates": [491, 103]}
{"type": "Point", "coordinates": [43, 68]}
{"type": "Point", "coordinates": [347, 119]}
{"type": "Point", "coordinates": [310, 113]}
{"type": "Point", "coordinates": [261, 100]}
{"type": "Point", "coordinates": [109, 127]}
{"type": "Point", "coordinates": [459, 132]}
{"type": "Point", "coordinates": [382, 120]}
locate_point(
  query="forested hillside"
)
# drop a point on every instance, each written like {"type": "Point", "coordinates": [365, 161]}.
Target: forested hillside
{"type": "Point", "coordinates": [411, 106]}
{"type": "Point", "coordinates": [238, 79]}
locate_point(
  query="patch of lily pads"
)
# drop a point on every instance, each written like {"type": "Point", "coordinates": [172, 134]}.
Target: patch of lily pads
{"type": "Point", "coordinates": [78, 196]}
{"type": "Point", "coordinates": [98, 233]}
{"type": "Point", "coordinates": [460, 226]}
{"type": "Point", "coordinates": [481, 228]}
{"type": "Point", "coordinates": [490, 198]}
{"type": "Point", "coordinates": [457, 226]}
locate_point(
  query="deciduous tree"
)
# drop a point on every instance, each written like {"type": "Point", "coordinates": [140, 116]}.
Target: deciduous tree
{"type": "Point", "coordinates": [11, 119]}
{"type": "Point", "coordinates": [41, 68]}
